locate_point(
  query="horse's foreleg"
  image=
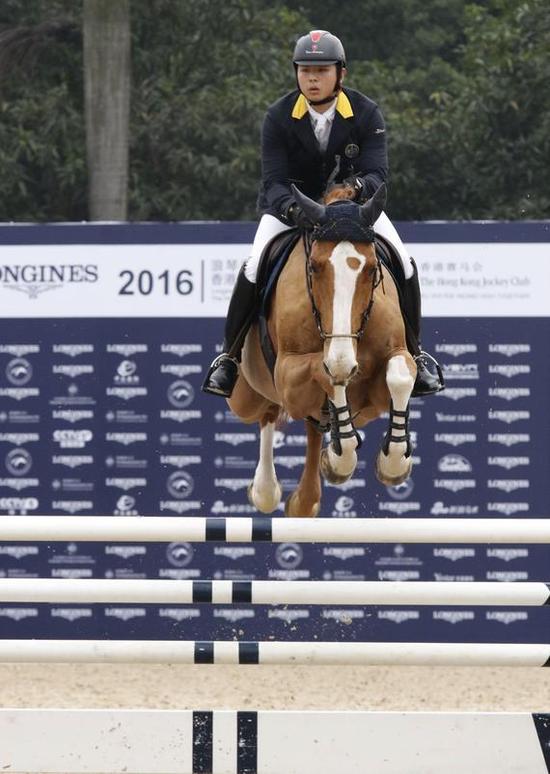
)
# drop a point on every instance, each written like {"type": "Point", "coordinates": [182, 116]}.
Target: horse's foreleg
{"type": "Point", "coordinates": [306, 498]}
{"type": "Point", "coordinates": [394, 461]}
{"type": "Point", "coordinates": [339, 460]}
{"type": "Point", "coordinates": [265, 492]}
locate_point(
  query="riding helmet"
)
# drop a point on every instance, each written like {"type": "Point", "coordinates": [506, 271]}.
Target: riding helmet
{"type": "Point", "coordinates": [319, 46]}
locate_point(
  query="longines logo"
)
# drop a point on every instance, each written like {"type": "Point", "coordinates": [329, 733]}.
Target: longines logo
{"type": "Point", "coordinates": [457, 393]}
{"type": "Point", "coordinates": [73, 350]}
{"type": "Point", "coordinates": [508, 462]}
{"type": "Point", "coordinates": [509, 350]}
{"type": "Point", "coordinates": [19, 350]}
{"type": "Point", "coordinates": [508, 393]}
{"type": "Point", "coordinates": [509, 416]}
{"type": "Point", "coordinates": [181, 350]}
{"type": "Point", "coordinates": [455, 350]}
{"type": "Point", "coordinates": [509, 439]}
{"type": "Point", "coordinates": [509, 370]}
{"type": "Point", "coordinates": [455, 439]}
{"type": "Point", "coordinates": [34, 279]}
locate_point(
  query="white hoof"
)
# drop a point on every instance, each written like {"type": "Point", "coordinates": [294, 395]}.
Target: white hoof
{"type": "Point", "coordinates": [265, 499]}
{"type": "Point", "coordinates": [392, 471]}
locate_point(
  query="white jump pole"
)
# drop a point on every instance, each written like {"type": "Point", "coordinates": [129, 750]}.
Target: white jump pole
{"type": "Point", "coordinates": [242, 529]}
{"type": "Point", "coordinates": [297, 653]}
{"type": "Point", "coordinates": [79, 590]}
{"type": "Point", "coordinates": [38, 741]}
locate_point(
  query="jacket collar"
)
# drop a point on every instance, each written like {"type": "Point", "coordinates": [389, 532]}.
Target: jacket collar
{"type": "Point", "coordinates": [343, 106]}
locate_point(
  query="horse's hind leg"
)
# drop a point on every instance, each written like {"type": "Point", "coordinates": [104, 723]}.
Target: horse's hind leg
{"type": "Point", "coordinates": [264, 491]}
{"type": "Point", "coordinates": [394, 461]}
{"type": "Point", "coordinates": [306, 498]}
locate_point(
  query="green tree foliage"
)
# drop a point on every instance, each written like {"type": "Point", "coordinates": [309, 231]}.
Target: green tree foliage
{"type": "Point", "coordinates": [463, 87]}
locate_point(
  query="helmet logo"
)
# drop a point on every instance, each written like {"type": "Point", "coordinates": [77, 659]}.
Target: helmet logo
{"type": "Point", "coordinates": [315, 36]}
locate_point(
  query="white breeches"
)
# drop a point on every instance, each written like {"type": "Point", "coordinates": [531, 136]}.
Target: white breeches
{"type": "Point", "coordinates": [269, 226]}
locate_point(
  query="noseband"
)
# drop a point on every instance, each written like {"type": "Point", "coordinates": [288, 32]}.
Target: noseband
{"type": "Point", "coordinates": [342, 223]}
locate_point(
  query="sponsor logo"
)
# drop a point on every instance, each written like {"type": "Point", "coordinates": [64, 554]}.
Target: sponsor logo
{"type": "Point", "coordinates": [454, 463]}
{"type": "Point", "coordinates": [180, 416]}
{"type": "Point", "coordinates": [453, 616]}
{"type": "Point", "coordinates": [180, 394]}
{"type": "Point", "coordinates": [126, 373]}
{"type": "Point", "coordinates": [18, 462]}
{"type": "Point", "coordinates": [232, 483]}
{"type": "Point", "coordinates": [509, 350]}
{"type": "Point", "coordinates": [72, 398]}
{"type": "Point", "coordinates": [346, 616]}
{"type": "Point", "coordinates": [352, 483]}
{"type": "Point", "coordinates": [441, 509]}
{"type": "Point", "coordinates": [462, 371]}
{"type": "Point", "coordinates": [454, 554]}
{"type": "Point", "coordinates": [19, 483]}
{"type": "Point", "coordinates": [19, 371]}
{"type": "Point", "coordinates": [440, 576]}
{"type": "Point", "coordinates": [441, 417]}
{"type": "Point", "coordinates": [72, 415]}
{"type": "Point", "coordinates": [180, 460]}
{"type": "Point", "coordinates": [288, 616]}
{"type": "Point", "coordinates": [71, 613]}
{"type": "Point", "coordinates": [72, 506]}
{"type": "Point", "coordinates": [457, 393]}
{"type": "Point", "coordinates": [398, 507]}
{"type": "Point", "coordinates": [233, 614]}
{"type": "Point", "coordinates": [509, 576]}
{"type": "Point", "coordinates": [508, 484]}
{"type": "Point", "coordinates": [455, 350]}
{"type": "Point", "coordinates": [455, 485]}
{"type": "Point", "coordinates": [34, 279]}
{"type": "Point", "coordinates": [181, 350]}
{"type": "Point", "coordinates": [18, 613]}
{"type": "Point", "coordinates": [126, 416]}
{"type": "Point", "coordinates": [174, 369]}
{"type": "Point", "coordinates": [281, 439]}
{"type": "Point", "coordinates": [508, 509]}
{"type": "Point", "coordinates": [19, 350]}
{"type": "Point", "coordinates": [126, 438]}
{"type": "Point", "coordinates": [126, 393]}
{"type": "Point", "coordinates": [180, 507]}
{"type": "Point", "coordinates": [125, 613]}
{"type": "Point", "coordinates": [180, 439]}
{"type": "Point", "coordinates": [508, 393]}
{"type": "Point", "coordinates": [19, 439]}
{"type": "Point", "coordinates": [509, 416]}
{"type": "Point", "coordinates": [219, 506]}
{"type": "Point", "coordinates": [508, 554]}
{"type": "Point", "coordinates": [127, 350]}
{"type": "Point", "coordinates": [73, 350]}
{"type": "Point", "coordinates": [72, 371]}
{"type": "Point", "coordinates": [344, 507]}
{"type": "Point", "coordinates": [234, 552]}
{"type": "Point", "coordinates": [509, 439]}
{"type": "Point", "coordinates": [19, 417]}
{"type": "Point", "coordinates": [73, 460]}
{"type": "Point", "coordinates": [398, 575]}
{"type": "Point", "coordinates": [506, 616]}
{"type": "Point", "coordinates": [19, 393]}
{"type": "Point", "coordinates": [398, 616]}
{"type": "Point", "coordinates": [125, 506]}
{"type": "Point", "coordinates": [19, 552]}
{"type": "Point", "coordinates": [180, 554]}
{"type": "Point", "coordinates": [18, 504]}
{"type": "Point", "coordinates": [180, 484]}
{"type": "Point", "coordinates": [235, 439]}
{"type": "Point", "coordinates": [508, 462]}
{"type": "Point", "coordinates": [455, 439]}
{"type": "Point", "coordinates": [125, 552]}
{"type": "Point", "coordinates": [178, 613]}
{"type": "Point", "coordinates": [72, 439]}
{"type": "Point", "coordinates": [289, 556]}
{"type": "Point", "coordinates": [126, 483]}
{"type": "Point", "coordinates": [509, 371]}
{"type": "Point", "coordinates": [344, 553]}
{"type": "Point", "coordinates": [125, 461]}
{"type": "Point", "coordinates": [401, 491]}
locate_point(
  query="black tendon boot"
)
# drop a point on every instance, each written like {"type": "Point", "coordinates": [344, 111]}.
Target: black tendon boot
{"type": "Point", "coordinates": [429, 378]}
{"type": "Point", "coordinates": [222, 374]}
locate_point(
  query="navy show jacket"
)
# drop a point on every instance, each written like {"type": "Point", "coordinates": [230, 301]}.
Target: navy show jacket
{"type": "Point", "coordinates": [291, 154]}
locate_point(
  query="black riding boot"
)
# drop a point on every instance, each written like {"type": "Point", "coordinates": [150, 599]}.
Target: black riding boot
{"type": "Point", "coordinates": [223, 373]}
{"type": "Point", "coordinates": [429, 378]}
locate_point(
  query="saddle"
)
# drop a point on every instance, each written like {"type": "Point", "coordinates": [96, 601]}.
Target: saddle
{"type": "Point", "coordinates": [273, 261]}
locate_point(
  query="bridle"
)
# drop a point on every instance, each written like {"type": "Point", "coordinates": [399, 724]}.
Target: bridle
{"type": "Point", "coordinates": [320, 232]}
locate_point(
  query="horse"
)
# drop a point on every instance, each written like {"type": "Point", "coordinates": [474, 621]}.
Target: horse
{"type": "Point", "coordinates": [341, 356]}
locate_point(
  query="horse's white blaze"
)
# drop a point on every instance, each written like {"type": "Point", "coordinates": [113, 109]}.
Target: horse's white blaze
{"type": "Point", "coordinates": [340, 357]}
{"type": "Point", "coordinates": [266, 490]}
{"type": "Point", "coordinates": [400, 384]}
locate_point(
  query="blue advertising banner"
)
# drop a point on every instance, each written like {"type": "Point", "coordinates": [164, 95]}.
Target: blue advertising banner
{"type": "Point", "coordinates": [106, 334]}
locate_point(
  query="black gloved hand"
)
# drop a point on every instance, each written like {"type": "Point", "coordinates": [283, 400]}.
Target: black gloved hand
{"type": "Point", "coordinates": [298, 217]}
{"type": "Point", "coordinates": [357, 184]}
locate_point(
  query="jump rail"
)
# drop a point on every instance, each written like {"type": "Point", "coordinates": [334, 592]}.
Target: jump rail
{"type": "Point", "coordinates": [297, 653]}
{"type": "Point", "coordinates": [268, 592]}
{"type": "Point", "coordinates": [228, 742]}
{"type": "Point", "coordinates": [244, 529]}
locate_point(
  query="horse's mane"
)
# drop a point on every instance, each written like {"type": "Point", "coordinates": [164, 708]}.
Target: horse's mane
{"type": "Point", "coordinates": [338, 192]}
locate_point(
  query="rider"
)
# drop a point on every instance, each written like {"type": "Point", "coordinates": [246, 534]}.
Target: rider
{"type": "Point", "coordinates": [317, 129]}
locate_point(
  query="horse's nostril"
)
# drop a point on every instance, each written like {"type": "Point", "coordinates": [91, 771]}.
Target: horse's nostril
{"type": "Point", "coordinates": [353, 371]}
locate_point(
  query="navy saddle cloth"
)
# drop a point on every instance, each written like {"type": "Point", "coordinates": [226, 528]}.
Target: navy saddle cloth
{"type": "Point", "coordinates": [273, 261]}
